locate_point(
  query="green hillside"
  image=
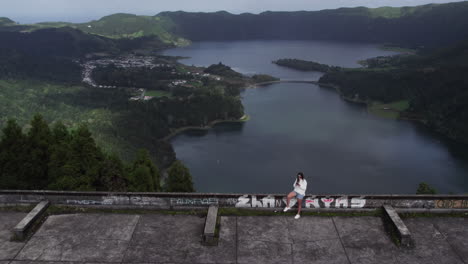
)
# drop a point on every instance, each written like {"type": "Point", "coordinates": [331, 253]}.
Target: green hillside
{"type": "Point", "coordinates": [132, 26]}
{"type": "Point", "coordinates": [4, 21]}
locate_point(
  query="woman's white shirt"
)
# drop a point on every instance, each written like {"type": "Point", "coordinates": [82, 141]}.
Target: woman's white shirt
{"type": "Point", "coordinates": [301, 188]}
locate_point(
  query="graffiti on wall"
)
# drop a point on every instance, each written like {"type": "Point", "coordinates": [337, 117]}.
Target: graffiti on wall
{"type": "Point", "coordinates": [253, 201]}
{"type": "Point", "coordinates": [194, 201]}
{"type": "Point", "coordinates": [449, 204]}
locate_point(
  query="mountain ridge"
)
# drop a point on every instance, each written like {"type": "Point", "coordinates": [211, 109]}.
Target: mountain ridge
{"type": "Point", "coordinates": [406, 26]}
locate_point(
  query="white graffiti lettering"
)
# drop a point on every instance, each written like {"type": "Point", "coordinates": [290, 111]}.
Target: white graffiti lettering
{"type": "Point", "coordinates": [269, 201]}
{"type": "Point", "coordinates": [342, 201]}
{"type": "Point", "coordinates": [243, 201]}
{"type": "Point", "coordinates": [327, 201]}
{"type": "Point", "coordinates": [84, 202]}
{"type": "Point", "coordinates": [312, 202]}
{"type": "Point", "coordinates": [358, 202]}
{"type": "Point", "coordinates": [256, 203]}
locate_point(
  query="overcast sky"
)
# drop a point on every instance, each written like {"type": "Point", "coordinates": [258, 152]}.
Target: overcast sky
{"type": "Point", "coordinates": [29, 11]}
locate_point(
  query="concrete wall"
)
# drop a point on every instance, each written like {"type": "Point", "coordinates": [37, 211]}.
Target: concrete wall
{"type": "Point", "coordinates": [196, 200]}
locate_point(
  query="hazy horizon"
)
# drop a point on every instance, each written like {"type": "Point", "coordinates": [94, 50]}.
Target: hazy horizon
{"type": "Point", "coordinates": [87, 10]}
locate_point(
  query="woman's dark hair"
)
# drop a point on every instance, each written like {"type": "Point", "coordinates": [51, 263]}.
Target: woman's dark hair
{"type": "Point", "coordinates": [299, 174]}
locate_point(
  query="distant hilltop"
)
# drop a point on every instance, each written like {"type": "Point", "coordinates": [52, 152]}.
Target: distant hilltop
{"type": "Point", "coordinates": [406, 26]}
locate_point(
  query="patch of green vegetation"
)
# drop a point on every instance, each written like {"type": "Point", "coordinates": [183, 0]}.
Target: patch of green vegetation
{"type": "Point", "coordinates": [389, 47]}
{"type": "Point", "coordinates": [63, 209]}
{"type": "Point", "coordinates": [303, 65]}
{"type": "Point", "coordinates": [26, 208]}
{"type": "Point", "coordinates": [256, 212]}
{"type": "Point", "coordinates": [22, 99]}
{"type": "Point", "coordinates": [155, 93]}
{"type": "Point", "coordinates": [390, 110]}
{"type": "Point", "coordinates": [5, 21]}
{"type": "Point", "coordinates": [414, 215]}
{"type": "Point", "coordinates": [132, 26]}
{"type": "Point", "coordinates": [425, 188]}
{"type": "Point", "coordinates": [262, 78]}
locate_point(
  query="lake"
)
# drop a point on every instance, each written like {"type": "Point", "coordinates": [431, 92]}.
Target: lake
{"type": "Point", "coordinates": [302, 127]}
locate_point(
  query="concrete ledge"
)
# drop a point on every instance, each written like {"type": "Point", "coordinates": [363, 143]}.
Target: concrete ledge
{"type": "Point", "coordinates": [431, 211]}
{"type": "Point", "coordinates": [169, 201]}
{"type": "Point", "coordinates": [22, 227]}
{"type": "Point", "coordinates": [396, 226]}
{"type": "Point", "coordinates": [210, 225]}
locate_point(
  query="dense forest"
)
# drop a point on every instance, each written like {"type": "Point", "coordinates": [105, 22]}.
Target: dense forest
{"type": "Point", "coordinates": [58, 158]}
{"type": "Point", "coordinates": [435, 84]}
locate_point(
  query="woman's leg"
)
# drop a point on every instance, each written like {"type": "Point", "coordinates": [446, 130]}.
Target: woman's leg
{"type": "Point", "coordinates": [299, 201]}
{"type": "Point", "coordinates": [290, 196]}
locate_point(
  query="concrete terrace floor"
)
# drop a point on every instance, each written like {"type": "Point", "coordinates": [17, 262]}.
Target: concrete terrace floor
{"type": "Point", "coordinates": [158, 238]}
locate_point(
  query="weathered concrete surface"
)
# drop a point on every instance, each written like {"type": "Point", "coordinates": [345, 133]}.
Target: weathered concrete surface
{"type": "Point", "coordinates": [158, 238]}
{"type": "Point", "coordinates": [84, 238]}
{"type": "Point", "coordinates": [22, 227]}
{"type": "Point", "coordinates": [438, 240]}
{"type": "Point", "coordinates": [210, 224]}
{"type": "Point", "coordinates": [177, 239]}
{"type": "Point", "coordinates": [283, 239]}
{"type": "Point", "coordinates": [396, 226]}
{"type": "Point", "coordinates": [8, 220]}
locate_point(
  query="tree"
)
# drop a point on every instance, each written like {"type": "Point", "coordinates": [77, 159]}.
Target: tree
{"type": "Point", "coordinates": [12, 157]}
{"type": "Point", "coordinates": [179, 179]}
{"type": "Point", "coordinates": [141, 180]}
{"type": "Point", "coordinates": [112, 175]}
{"type": "Point", "coordinates": [60, 153]}
{"type": "Point", "coordinates": [143, 159]}
{"type": "Point", "coordinates": [424, 188]}
{"type": "Point", "coordinates": [81, 171]}
{"type": "Point", "coordinates": [38, 142]}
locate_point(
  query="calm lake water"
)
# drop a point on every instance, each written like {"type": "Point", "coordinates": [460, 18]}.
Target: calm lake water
{"type": "Point", "coordinates": [302, 127]}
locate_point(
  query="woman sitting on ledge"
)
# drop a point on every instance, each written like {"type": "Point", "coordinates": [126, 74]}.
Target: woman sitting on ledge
{"type": "Point", "coordinates": [300, 186]}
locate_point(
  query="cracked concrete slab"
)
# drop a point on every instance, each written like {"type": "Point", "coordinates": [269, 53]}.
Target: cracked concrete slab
{"type": "Point", "coordinates": [428, 251]}
{"type": "Point", "coordinates": [264, 252]}
{"type": "Point", "coordinates": [456, 232]}
{"type": "Point", "coordinates": [263, 228]}
{"type": "Point", "coordinates": [437, 240]}
{"type": "Point", "coordinates": [166, 238]}
{"type": "Point", "coordinates": [77, 238]}
{"type": "Point", "coordinates": [100, 226]}
{"type": "Point", "coordinates": [365, 240]}
{"type": "Point", "coordinates": [9, 249]}
{"type": "Point", "coordinates": [282, 239]}
{"type": "Point", "coordinates": [320, 252]}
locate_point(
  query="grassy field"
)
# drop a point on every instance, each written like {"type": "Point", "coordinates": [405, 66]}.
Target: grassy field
{"type": "Point", "coordinates": [391, 110]}
{"type": "Point", "coordinates": [157, 93]}
{"type": "Point", "coordinates": [22, 99]}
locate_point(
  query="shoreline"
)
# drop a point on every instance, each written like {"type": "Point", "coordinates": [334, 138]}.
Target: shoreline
{"type": "Point", "coordinates": [209, 126]}
{"type": "Point", "coordinates": [368, 104]}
